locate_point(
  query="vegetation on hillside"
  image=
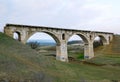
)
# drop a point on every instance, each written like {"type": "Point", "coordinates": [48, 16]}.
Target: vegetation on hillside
{"type": "Point", "coordinates": [20, 63]}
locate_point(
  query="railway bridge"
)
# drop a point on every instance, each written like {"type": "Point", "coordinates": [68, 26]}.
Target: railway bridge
{"type": "Point", "coordinates": [61, 36]}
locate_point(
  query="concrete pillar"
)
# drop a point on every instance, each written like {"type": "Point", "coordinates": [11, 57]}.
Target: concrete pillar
{"type": "Point", "coordinates": [61, 52]}
{"type": "Point", "coordinates": [88, 51]}
{"type": "Point", "coordinates": [111, 37]}
{"type": "Point", "coordinates": [24, 36]}
{"type": "Point", "coordinates": [23, 40]}
{"type": "Point", "coordinates": [107, 42]}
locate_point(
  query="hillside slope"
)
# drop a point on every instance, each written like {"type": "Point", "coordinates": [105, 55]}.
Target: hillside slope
{"type": "Point", "coordinates": [20, 62]}
{"type": "Point", "coordinates": [112, 48]}
{"type": "Point", "coordinates": [109, 54]}
{"type": "Point", "coordinates": [115, 45]}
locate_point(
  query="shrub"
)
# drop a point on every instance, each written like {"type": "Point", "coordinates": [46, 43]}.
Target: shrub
{"type": "Point", "coordinates": [34, 45]}
{"type": "Point", "coordinates": [80, 56]}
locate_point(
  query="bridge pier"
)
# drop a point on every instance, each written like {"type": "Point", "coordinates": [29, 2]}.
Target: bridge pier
{"type": "Point", "coordinates": [88, 51]}
{"type": "Point", "coordinates": [61, 52]}
{"type": "Point", "coordinates": [107, 42]}
{"type": "Point", "coordinates": [24, 36]}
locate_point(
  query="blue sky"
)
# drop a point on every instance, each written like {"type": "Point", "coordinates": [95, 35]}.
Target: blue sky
{"type": "Point", "coordinates": [98, 15]}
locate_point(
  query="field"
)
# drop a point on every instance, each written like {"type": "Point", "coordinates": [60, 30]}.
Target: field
{"type": "Point", "coordinates": [18, 62]}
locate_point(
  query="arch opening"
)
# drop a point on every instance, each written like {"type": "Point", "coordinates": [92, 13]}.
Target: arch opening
{"type": "Point", "coordinates": [17, 36]}
{"type": "Point", "coordinates": [45, 43]}
{"type": "Point", "coordinates": [99, 41]}
{"type": "Point", "coordinates": [76, 47]}
{"type": "Point", "coordinates": [63, 36]}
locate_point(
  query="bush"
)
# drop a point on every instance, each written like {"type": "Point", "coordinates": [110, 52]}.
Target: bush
{"type": "Point", "coordinates": [81, 56]}
{"type": "Point", "coordinates": [34, 45]}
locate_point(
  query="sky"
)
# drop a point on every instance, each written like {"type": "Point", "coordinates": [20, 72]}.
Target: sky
{"type": "Point", "coordinates": [94, 15]}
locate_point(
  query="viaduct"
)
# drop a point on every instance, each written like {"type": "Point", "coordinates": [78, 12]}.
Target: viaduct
{"type": "Point", "coordinates": [61, 37]}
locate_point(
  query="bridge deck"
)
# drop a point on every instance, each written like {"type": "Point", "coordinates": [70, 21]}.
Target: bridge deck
{"type": "Point", "coordinates": [18, 25]}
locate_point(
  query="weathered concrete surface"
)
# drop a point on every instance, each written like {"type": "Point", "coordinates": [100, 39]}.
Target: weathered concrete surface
{"type": "Point", "coordinates": [61, 37]}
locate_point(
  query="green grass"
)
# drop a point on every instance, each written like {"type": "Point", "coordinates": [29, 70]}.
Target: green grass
{"type": "Point", "coordinates": [20, 62]}
{"type": "Point", "coordinates": [80, 56]}
{"type": "Point", "coordinates": [106, 60]}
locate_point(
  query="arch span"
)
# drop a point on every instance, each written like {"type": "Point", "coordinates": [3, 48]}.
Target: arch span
{"type": "Point", "coordinates": [85, 44]}
{"type": "Point", "coordinates": [55, 38]}
{"type": "Point", "coordinates": [49, 33]}
{"type": "Point", "coordinates": [83, 37]}
{"type": "Point", "coordinates": [102, 38]}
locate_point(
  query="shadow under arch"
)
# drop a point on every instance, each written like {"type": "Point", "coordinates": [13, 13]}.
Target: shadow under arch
{"type": "Point", "coordinates": [17, 35]}
{"type": "Point", "coordinates": [103, 40]}
{"type": "Point", "coordinates": [85, 43]}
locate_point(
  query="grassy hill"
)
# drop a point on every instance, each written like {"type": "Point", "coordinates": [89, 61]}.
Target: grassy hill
{"type": "Point", "coordinates": [109, 54]}
{"type": "Point", "coordinates": [18, 62]}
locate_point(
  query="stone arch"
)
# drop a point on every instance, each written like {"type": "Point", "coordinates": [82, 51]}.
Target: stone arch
{"type": "Point", "coordinates": [49, 33]}
{"type": "Point", "coordinates": [18, 34]}
{"type": "Point", "coordinates": [57, 40]}
{"type": "Point", "coordinates": [84, 38]}
{"type": "Point", "coordinates": [86, 45]}
{"type": "Point", "coordinates": [102, 38]}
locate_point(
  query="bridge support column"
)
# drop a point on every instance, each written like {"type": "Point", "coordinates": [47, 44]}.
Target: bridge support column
{"type": "Point", "coordinates": [61, 52]}
{"type": "Point", "coordinates": [23, 37]}
{"type": "Point", "coordinates": [107, 42]}
{"type": "Point", "coordinates": [88, 51]}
